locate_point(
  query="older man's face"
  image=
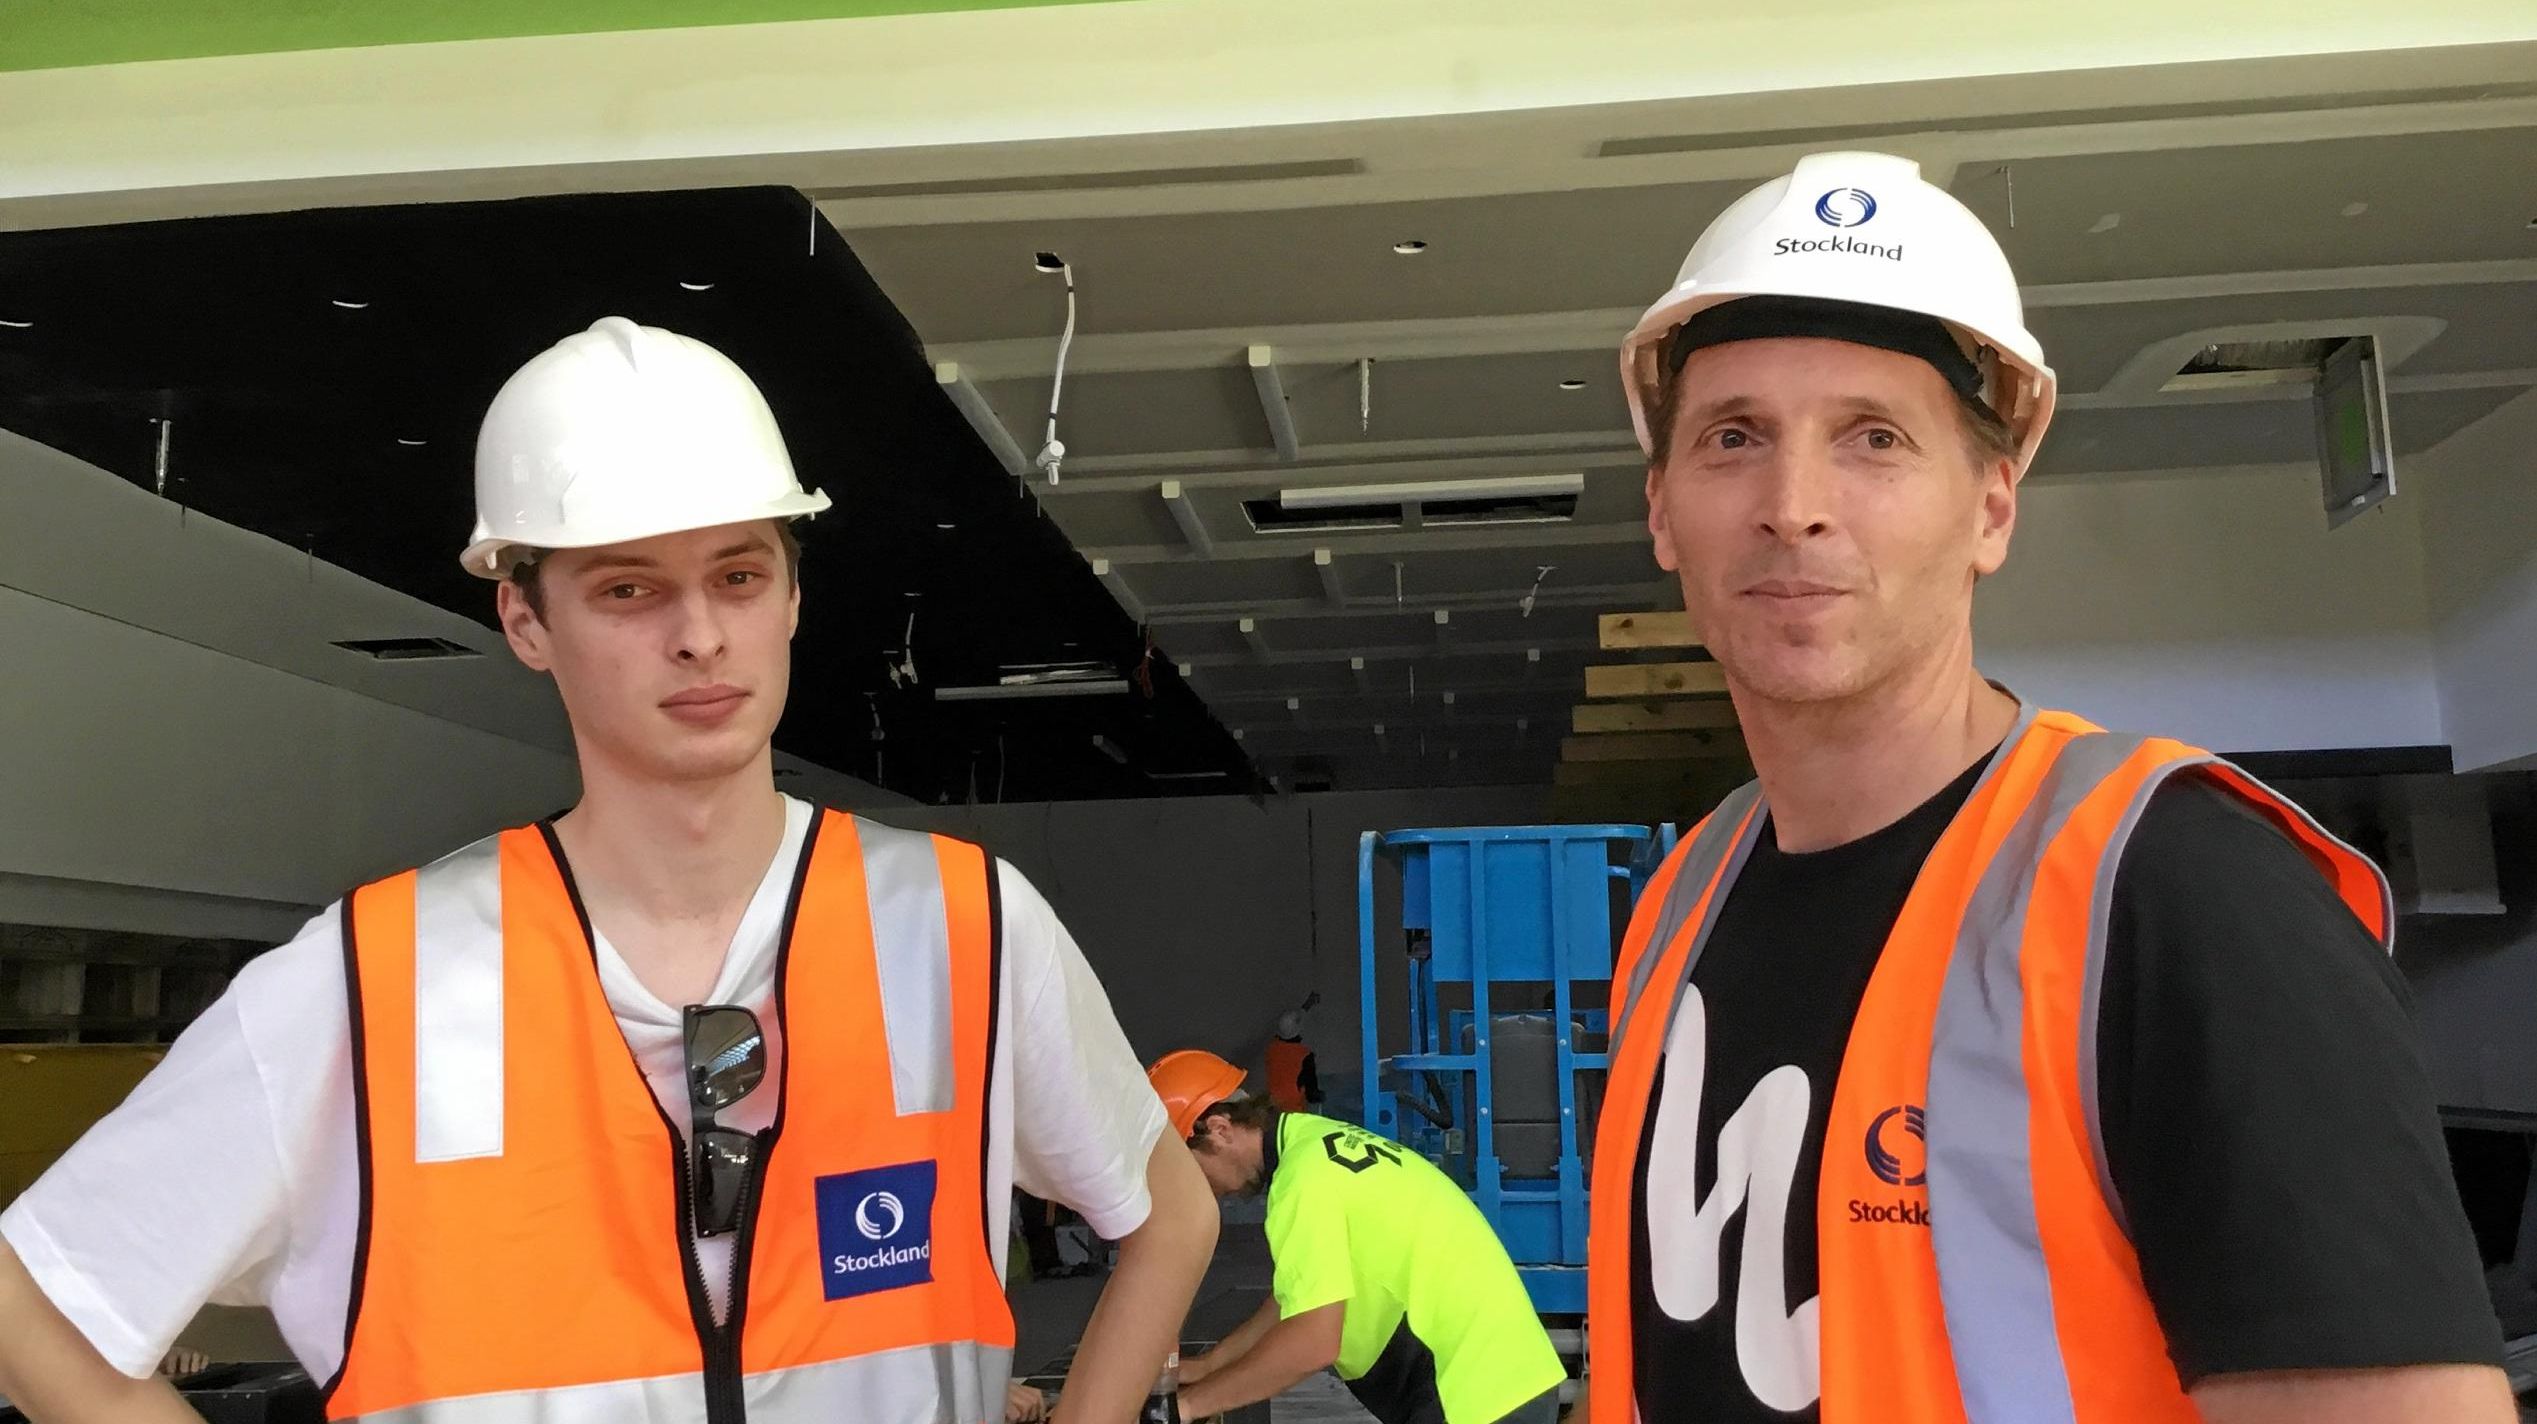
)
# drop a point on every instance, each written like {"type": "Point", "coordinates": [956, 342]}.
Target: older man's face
{"type": "Point", "coordinates": [1826, 515]}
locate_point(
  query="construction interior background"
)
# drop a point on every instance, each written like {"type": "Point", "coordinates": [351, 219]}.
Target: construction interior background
{"type": "Point", "coordinates": [1348, 536]}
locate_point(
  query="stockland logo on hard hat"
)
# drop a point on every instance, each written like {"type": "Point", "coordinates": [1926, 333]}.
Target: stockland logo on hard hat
{"type": "Point", "coordinates": [1846, 207]}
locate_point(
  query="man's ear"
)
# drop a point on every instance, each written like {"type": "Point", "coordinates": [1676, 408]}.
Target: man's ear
{"type": "Point", "coordinates": [1998, 517]}
{"type": "Point", "coordinates": [1658, 527]}
{"type": "Point", "coordinates": [522, 628]}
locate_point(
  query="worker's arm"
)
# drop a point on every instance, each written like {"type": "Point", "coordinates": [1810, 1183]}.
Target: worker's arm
{"type": "Point", "coordinates": [1137, 1322]}
{"type": "Point", "coordinates": [1293, 1350]}
{"type": "Point", "coordinates": [1581, 1408]}
{"type": "Point", "coordinates": [1234, 1346]}
{"type": "Point", "coordinates": [54, 1376]}
{"type": "Point", "coordinates": [2413, 1394]}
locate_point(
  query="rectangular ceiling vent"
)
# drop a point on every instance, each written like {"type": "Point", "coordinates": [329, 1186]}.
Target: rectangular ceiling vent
{"type": "Point", "coordinates": [2235, 365]}
{"type": "Point", "coordinates": [1516, 499]}
{"type": "Point", "coordinates": [408, 650]}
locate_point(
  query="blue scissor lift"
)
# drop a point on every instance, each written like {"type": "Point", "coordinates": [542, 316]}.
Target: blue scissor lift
{"type": "Point", "coordinates": [1508, 933]}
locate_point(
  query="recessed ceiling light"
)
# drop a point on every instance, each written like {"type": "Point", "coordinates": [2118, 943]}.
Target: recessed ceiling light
{"type": "Point", "coordinates": [410, 444]}
{"type": "Point", "coordinates": [1048, 262]}
{"type": "Point", "coordinates": [16, 325]}
{"type": "Point", "coordinates": [1409, 247]}
{"type": "Point", "coordinates": [696, 286]}
{"type": "Point", "coordinates": [946, 525]}
{"type": "Point", "coordinates": [1572, 384]}
{"type": "Point", "coordinates": [351, 306]}
{"type": "Point", "coordinates": [2354, 210]}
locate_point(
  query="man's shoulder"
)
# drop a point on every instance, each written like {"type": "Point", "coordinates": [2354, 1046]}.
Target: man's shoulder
{"type": "Point", "coordinates": [2199, 832]}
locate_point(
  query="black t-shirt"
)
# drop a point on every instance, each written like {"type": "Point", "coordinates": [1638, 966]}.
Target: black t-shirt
{"type": "Point", "coordinates": [2268, 1122]}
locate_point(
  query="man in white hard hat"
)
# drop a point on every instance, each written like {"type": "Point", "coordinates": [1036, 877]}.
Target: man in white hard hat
{"type": "Point", "coordinates": [1977, 1064]}
{"type": "Point", "coordinates": [695, 1103]}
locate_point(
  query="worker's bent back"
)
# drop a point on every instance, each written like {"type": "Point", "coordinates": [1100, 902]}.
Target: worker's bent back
{"type": "Point", "coordinates": [1435, 1309]}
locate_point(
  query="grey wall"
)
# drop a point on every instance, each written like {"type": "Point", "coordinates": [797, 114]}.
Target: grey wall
{"type": "Point", "coordinates": [2218, 609]}
{"type": "Point", "coordinates": [2479, 493]}
{"type": "Point", "coordinates": [1207, 916]}
{"type": "Point", "coordinates": [2474, 977]}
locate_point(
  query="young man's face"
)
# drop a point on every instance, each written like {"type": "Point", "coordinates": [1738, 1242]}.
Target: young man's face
{"type": "Point", "coordinates": [672, 654]}
{"type": "Point", "coordinates": [1821, 505]}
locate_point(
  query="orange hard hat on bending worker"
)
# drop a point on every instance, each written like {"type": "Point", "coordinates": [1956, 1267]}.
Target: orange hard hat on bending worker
{"type": "Point", "coordinates": [1190, 1082]}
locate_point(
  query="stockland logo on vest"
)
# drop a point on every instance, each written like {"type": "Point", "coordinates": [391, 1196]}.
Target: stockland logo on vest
{"type": "Point", "coordinates": [876, 1229]}
{"type": "Point", "coordinates": [1898, 1153]}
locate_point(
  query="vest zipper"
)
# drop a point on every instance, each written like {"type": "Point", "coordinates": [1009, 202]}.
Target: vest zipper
{"type": "Point", "coordinates": [726, 1402]}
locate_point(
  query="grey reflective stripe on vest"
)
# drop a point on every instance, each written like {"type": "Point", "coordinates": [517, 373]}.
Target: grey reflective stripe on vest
{"type": "Point", "coordinates": [1993, 1280]}
{"type": "Point", "coordinates": [458, 1005]}
{"type": "Point", "coordinates": [1716, 845]}
{"type": "Point", "coordinates": [2101, 914]}
{"type": "Point", "coordinates": [911, 948]}
{"type": "Point", "coordinates": [929, 1384]}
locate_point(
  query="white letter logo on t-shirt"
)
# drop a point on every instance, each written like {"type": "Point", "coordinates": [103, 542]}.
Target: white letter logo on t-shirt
{"type": "Point", "coordinates": [1757, 1164]}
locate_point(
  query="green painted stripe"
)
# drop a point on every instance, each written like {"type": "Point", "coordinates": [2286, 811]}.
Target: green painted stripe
{"type": "Point", "coordinates": [57, 34]}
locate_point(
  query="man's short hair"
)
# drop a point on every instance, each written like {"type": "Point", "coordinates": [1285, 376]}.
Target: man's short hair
{"type": "Point", "coordinates": [527, 573]}
{"type": "Point", "coordinates": [1242, 1111]}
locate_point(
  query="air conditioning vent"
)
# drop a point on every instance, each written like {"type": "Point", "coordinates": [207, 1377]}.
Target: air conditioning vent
{"type": "Point", "coordinates": [2230, 365]}
{"type": "Point", "coordinates": [408, 650]}
{"type": "Point", "coordinates": [1515, 499]}
{"type": "Point", "coordinates": [1269, 515]}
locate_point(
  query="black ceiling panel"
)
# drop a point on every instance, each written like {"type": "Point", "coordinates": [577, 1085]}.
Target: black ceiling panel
{"type": "Point", "coordinates": [301, 356]}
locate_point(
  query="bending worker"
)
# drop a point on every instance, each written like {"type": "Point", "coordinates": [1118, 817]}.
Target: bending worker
{"type": "Point", "coordinates": [693, 1103]}
{"type": "Point", "coordinates": [2053, 1073]}
{"type": "Point", "coordinates": [1383, 1269]}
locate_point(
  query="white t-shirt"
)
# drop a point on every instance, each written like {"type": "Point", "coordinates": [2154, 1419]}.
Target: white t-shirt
{"type": "Point", "coordinates": [229, 1175]}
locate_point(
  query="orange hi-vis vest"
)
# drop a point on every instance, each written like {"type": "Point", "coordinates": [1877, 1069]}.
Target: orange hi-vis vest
{"type": "Point", "coordinates": [524, 1253]}
{"type": "Point", "coordinates": [1987, 1277]}
{"type": "Point", "coordinates": [1286, 1074]}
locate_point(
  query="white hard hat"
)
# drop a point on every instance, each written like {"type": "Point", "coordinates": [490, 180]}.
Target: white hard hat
{"type": "Point", "coordinates": [1862, 229]}
{"type": "Point", "coordinates": [620, 433]}
{"type": "Point", "coordinates": [1290, 1024]}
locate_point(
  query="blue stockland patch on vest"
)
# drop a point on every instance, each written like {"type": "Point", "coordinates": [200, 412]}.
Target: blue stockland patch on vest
{"type": "Point", "coordinates": [876, 1229]}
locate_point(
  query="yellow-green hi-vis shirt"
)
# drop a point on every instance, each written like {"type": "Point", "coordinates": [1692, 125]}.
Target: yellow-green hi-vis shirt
{"type": "Point", "coordinates": [1357, 1218]}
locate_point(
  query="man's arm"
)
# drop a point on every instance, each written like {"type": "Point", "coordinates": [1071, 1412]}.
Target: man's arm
{"type": "Point", "coordinates": [1242, 1341]}
{"type": "Point", "coordinates": [1292, 1351]}
{"type": "Point", "coordinates": [54, 1376]}
{"type": "Point", "coordinates": [1137, 1322]}
{"type": "Point", "coordinates": [2417, 1394]}
{"type": "Point", "coordinates": [2247, 1017]}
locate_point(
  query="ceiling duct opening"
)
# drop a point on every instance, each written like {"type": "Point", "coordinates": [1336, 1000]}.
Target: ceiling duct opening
{"type": "Point", "coordinates": [1516, 499]}
{"type": "Point", "coordinates": [2232, 365]}
{"type": "Point", "coordinates": [408, 650]}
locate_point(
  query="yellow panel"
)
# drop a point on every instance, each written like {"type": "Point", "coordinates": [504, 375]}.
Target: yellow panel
{"type": "Point", "coordinates": [1655, 680]}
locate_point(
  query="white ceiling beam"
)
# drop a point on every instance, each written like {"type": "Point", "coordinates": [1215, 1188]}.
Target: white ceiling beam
{"type": "Point", "coordinates": [1631, 531]}
{"type": "Point", "coordinates": [1184, 513]}
{"type": "Point", "coordinates": [1607, 461]}
{"type": "Point", "coordinates": [1583, 596]}
{"type": "Point", "coordinates": [1273, 406]}
{"type": "Point", "coordinates": [1572, 449]}
{"type": "Point", "coordinates": [973, 407]}
{"type": "Point", "coordinates": [1599, 330]}
{"type": "Point", "coordinates": [1117, 582]}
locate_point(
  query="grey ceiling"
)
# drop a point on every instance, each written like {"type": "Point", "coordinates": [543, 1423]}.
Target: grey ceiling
{"type": "Point", "coordinates": [2132, 228]}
